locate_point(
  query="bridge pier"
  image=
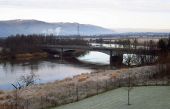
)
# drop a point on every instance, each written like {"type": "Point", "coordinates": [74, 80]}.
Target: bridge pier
{"type": "Point", "coordinates": [116, 59]}
{"type": "Point", "coordinates": [61, 54]}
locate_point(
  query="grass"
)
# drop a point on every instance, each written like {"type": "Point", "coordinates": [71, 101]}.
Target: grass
{"type": "Point", "coordinates": [151, 97]}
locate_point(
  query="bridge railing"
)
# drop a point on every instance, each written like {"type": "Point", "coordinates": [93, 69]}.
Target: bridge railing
{"type": "Point", "coordinates": [148, 51]}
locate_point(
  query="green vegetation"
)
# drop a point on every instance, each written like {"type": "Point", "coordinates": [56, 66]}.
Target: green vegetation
{"type": "Point", "coordinates": [153, 97]}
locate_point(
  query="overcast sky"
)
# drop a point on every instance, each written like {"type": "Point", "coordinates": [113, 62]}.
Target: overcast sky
{"type": "Point", "coordinates": [152, 14]}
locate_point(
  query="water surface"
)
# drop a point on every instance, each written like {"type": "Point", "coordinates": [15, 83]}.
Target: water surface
{"type": "Point", "coordinates": [47, 71]}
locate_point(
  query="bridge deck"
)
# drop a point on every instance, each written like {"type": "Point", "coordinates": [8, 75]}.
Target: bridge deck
{"type": "Point", "coordinates": [107, 49]}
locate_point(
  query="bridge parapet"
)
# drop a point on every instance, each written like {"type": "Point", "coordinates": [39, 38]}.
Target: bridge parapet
{"type": "Point", "coordinates": [106, 50]}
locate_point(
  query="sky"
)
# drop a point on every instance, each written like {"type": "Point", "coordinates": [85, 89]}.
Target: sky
{"type": "Point", "coordinates": [145, 14]}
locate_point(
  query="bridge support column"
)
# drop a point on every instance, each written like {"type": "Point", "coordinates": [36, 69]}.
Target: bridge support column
{"type": "Point", "coordinates": [116, 59]}
{"type": "Point", "coordinates": [111, 57]}
{"type": "Point", "coordinates": [61, 54]}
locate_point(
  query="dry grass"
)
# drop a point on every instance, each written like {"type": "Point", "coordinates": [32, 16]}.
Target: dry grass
{"type": "Point", "coordinates": [9, 106]}
{"type": "Point", "coordinates": [1, 92]}
{"type": "Point", "coordinates": [67, 79]}
{"type": "Point", "coordinates": [62, 92]}
{"type": "Point", "coordinates": [28, 56]}
{"type": "Point", "coordinates": [152, 97]}
{"type": "Point", "coordinates": [24, 56]}
{"type": "Point", "coordinates": [114, 75]}
{"type": "Point", "coordinates": [124, 69]}
{"type": "Point", "coordinates": [82, 78]}
{"type": "Point", "coordinates": [5, 97]}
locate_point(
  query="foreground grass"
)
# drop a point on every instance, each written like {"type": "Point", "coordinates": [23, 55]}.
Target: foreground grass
{"type": "Point", "coordinates": [152, 97]}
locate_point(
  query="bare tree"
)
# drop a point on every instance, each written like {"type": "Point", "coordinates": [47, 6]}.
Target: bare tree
{"type": "Point", "coordinates": [129, 59]}
{"type": "Point", "coordinates": [135, 43]}
{"type": "Point", "coordinates": [26, 80]}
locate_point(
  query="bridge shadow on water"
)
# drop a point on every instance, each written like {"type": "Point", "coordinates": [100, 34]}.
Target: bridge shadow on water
{"type": "Point", "coordinates": [92, 65]}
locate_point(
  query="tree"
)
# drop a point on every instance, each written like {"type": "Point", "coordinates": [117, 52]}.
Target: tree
{"type": "Point", "coordinates": [129, 59]}
{"type": "Point", "coordinates": [168, 46]}
{"type": "Point", "coordinates": [33, 43]}
{"type": "Point", "coordinates": [28, 79]}
{"type": "Point", "coordinates": [162, 45]}
{"type": "Point", "coordinates": [25, 81]}
{"type": "Point", "coordinates": [135, 43]}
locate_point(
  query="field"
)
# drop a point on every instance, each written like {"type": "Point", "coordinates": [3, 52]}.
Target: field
{"type": "Point", "coordinates": [152, 97]}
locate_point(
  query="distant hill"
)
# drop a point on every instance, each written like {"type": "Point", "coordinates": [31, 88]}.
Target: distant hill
{"type": "Point", "coordinates": [12, 27]}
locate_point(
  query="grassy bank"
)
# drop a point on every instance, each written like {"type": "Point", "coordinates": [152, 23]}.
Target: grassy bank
{"type": "Point", "coordinates": [29, 56]}
{"type": "Point", "coordinates": [77, 88]}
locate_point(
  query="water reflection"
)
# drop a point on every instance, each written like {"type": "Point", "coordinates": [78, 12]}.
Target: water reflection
{"type": "Point", "coordinates": [47, 70]}
{"type": "Point", "coordinates": [95, 57]}
{"type": "Point", "coordinates": [50, 70]}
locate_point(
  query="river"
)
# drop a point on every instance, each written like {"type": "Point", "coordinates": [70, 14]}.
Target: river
{"type": "Point", "coordinates": [48, 70]}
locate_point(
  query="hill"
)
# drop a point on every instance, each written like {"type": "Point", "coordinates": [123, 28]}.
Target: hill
{"type": "Point", "coordinates": [13, 27]}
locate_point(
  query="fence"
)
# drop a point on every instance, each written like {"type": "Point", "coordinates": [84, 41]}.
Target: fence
{"type": "Point", "coordinates": [10, 106]}
{"type": "Point", "coordinates": [75, 92]}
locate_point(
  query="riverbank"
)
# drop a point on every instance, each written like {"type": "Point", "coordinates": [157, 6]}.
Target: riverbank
{"type": "Point", "coordinates": [24, 56]}
{"type": "Point", "coordinates": [77, 88]}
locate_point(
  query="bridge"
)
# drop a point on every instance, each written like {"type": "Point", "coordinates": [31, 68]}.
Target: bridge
{"type": "Point", "coordinates": [116, 54]}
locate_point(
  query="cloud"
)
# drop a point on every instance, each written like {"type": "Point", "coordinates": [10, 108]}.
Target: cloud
{"type": "Point", "coordinates": [123, 5]}
{"type": "Point", "coordinates": [145, 5]}
{"type": "Point", "coordinates": [106, 13]}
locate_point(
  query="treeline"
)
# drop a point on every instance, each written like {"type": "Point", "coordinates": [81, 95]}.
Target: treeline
{"type": "Point", "coordinates": [32, 43]}
{"type": "Point", "coordinates": [159, 51]}
{"type": "Point", "coordinates": [164, 44]}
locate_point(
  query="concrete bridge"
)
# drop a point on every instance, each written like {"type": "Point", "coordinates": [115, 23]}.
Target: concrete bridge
{"type": "Point", "coordinates": [116, 54]}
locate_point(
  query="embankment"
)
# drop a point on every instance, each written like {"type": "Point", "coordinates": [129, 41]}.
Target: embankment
{"type": "Point", "coordinates": [79, 87]}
